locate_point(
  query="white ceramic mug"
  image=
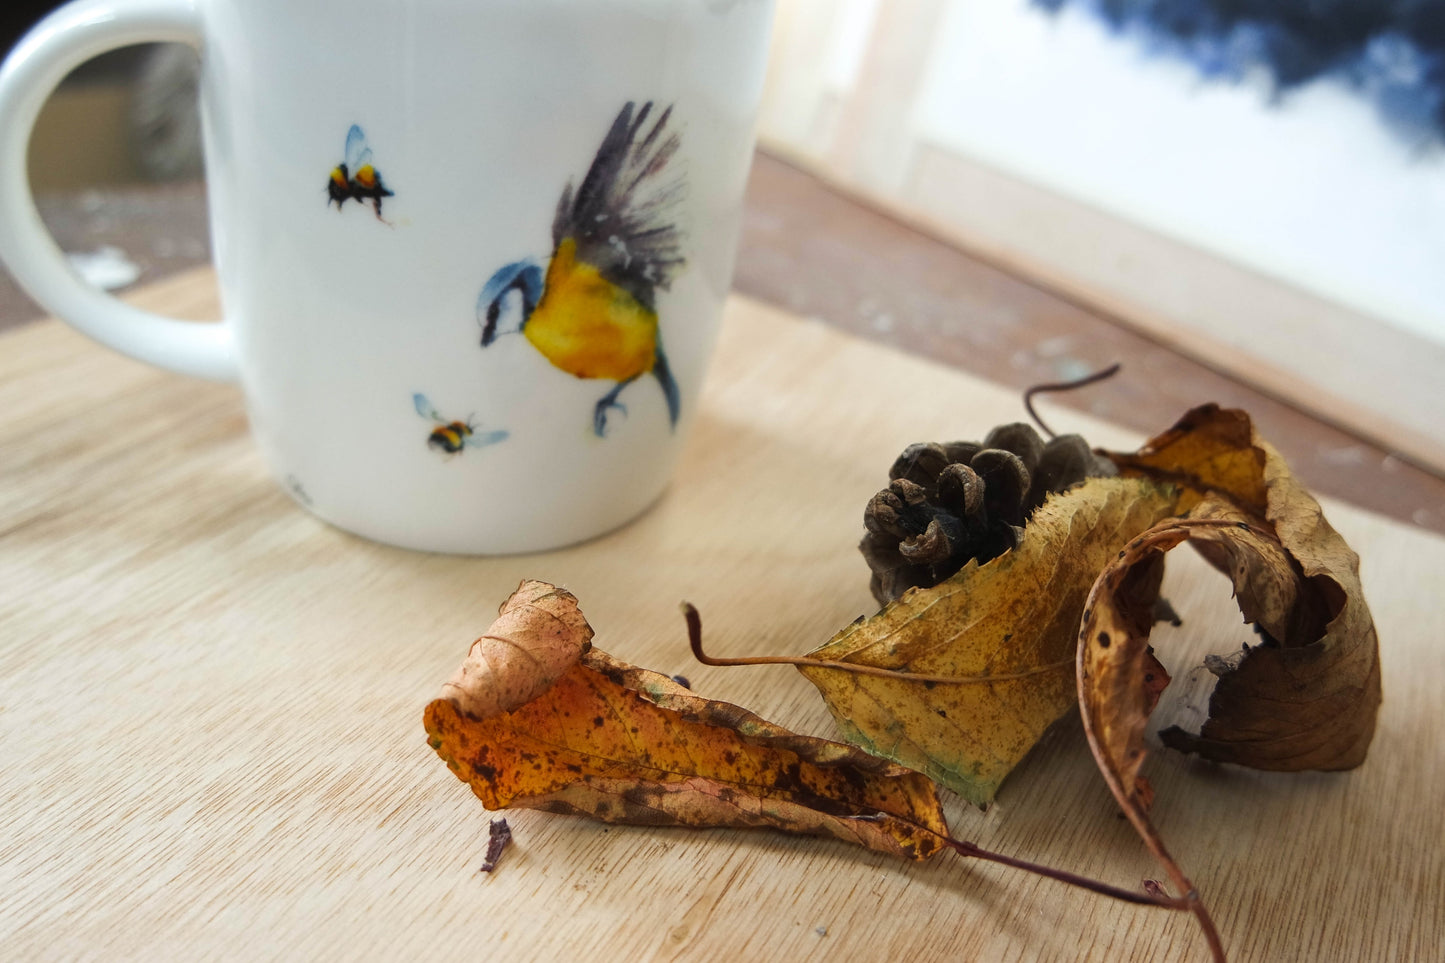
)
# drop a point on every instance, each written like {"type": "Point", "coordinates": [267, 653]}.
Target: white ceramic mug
{"type": "Point", "coordinates": [472, 253]}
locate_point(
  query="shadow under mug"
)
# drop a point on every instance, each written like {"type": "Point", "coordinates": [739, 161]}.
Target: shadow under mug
{"type": "Point", "coordinates": [472, 254]}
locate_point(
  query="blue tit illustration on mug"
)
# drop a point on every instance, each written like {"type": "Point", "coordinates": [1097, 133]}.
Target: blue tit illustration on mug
{"type": "Point", "coordinates": [615, 243]}
{"type": "Point", "coordinates": [450, 437]}
{"type": "Point", "coordinates": [356, 177]}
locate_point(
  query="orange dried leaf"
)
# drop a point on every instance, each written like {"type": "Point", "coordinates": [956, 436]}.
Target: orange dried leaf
{"type": "Point", "coordinates": [621, 744]}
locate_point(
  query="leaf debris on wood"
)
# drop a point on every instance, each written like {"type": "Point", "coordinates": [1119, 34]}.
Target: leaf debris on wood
{"type": "Point", "coordinates": [499, 836]}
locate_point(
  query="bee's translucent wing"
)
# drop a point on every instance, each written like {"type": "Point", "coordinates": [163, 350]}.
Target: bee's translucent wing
{"type": "Point", "coordinates": [357, 153]}
{"type": "Point", "coordinates": [481, 439]}
{"type": "Point", "coordinates": [424, 408]}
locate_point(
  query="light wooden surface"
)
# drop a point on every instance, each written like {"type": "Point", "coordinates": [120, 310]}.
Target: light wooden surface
{"type": "Point", "coordinates": [210, 705]}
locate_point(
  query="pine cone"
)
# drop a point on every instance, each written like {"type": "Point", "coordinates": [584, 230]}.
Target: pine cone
{"type": "Point", "coordinates": [952, 502]}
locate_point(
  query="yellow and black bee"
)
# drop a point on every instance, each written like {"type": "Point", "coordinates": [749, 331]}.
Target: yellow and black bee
{"type": "Point", "coordinates": [451, 437]}
{"type": "Point", "coordinates": [356, 178]}
{"type": "Point", "coordinates": [615, 243]}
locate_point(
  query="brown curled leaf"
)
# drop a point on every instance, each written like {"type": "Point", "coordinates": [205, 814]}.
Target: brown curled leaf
{"type": "Point", "coordinates": [1308, 695]}
{"type": "Point", "coordinates": [624, 745]}
{"type": "Point", "coordinates": [1114, 666]}
{"type": "Point", "coordinates": [539, 634]}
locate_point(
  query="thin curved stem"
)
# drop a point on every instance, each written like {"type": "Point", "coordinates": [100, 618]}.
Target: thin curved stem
{"type": "Point", "coordinates": [694, 638]}
{"type": "Point", "coordinates": [1151, 895]}
{"type": "Point", "coordinates": [1145, 898]}
{"type": "Point", "coordinates": [1097, 376]}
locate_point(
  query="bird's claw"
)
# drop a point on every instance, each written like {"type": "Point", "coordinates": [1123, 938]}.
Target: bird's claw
{"type": "Point", "coordinates": [599, 415]}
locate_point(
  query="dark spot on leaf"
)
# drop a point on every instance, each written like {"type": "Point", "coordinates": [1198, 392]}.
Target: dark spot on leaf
{"type": "Point", "coordinates": [1103, 640]}
{"type": "Point", "coordinates": [598, 721]}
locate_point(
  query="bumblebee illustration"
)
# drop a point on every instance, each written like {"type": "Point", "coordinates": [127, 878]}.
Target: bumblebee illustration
{"type": "Point", "coordinates": [450, 437]}
{"type": "Point", "coordinates": [356, 178]}
{"type": "Point", "coordinates": [615, 243]}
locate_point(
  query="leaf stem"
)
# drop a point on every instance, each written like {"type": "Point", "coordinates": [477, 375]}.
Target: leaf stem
{"type": "Point", "coordinates": [694, 638]}
{"type": "Point", "coordinates": [1070, 879]}
{"type": "Point", "coordinates": [1097, 376]}
{"type": "Point", "coordinates": [1150, 896]}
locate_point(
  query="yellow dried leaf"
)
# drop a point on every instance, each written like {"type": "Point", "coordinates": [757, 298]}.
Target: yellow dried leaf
{"type": "Point", "coordinates": [1008, 626]}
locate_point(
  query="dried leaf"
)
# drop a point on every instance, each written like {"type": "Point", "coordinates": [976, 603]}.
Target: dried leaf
{"type": "Point", "coordinates": [1007, 627]}
{"type": "Point", "coordinates": [499, 837]}
{"type": "Point", "coordinates": [1307, 696]}
{"type": "Point", "coordinates": [625, 745]}
{"type": "Point", "coordinates": [537, 636]}
{"type": "Point", "coordinates": [1115, 662]}
{"type": "Point", "coordinates": [1210, 449]}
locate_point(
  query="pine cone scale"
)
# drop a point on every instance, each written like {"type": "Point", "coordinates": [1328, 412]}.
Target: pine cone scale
{"type": "Point", "coordinates": [951, 502]}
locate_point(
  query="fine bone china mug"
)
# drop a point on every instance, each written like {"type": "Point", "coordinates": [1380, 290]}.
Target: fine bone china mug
{"type": "Point", "coordinates": [472, 254]}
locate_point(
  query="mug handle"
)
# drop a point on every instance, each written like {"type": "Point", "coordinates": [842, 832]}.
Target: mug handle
{"type": "Point", "coordinates": [62, 41]}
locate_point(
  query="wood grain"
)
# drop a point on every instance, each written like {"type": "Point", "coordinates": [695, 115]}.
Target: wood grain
{"type": "Point", "coordinates": [210, 705]}
{"type": "Point", "coordinates": [816, 251]}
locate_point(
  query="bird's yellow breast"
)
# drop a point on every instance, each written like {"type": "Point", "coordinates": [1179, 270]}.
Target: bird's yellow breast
{"type": "Point", "coordinates": [588, 326]}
